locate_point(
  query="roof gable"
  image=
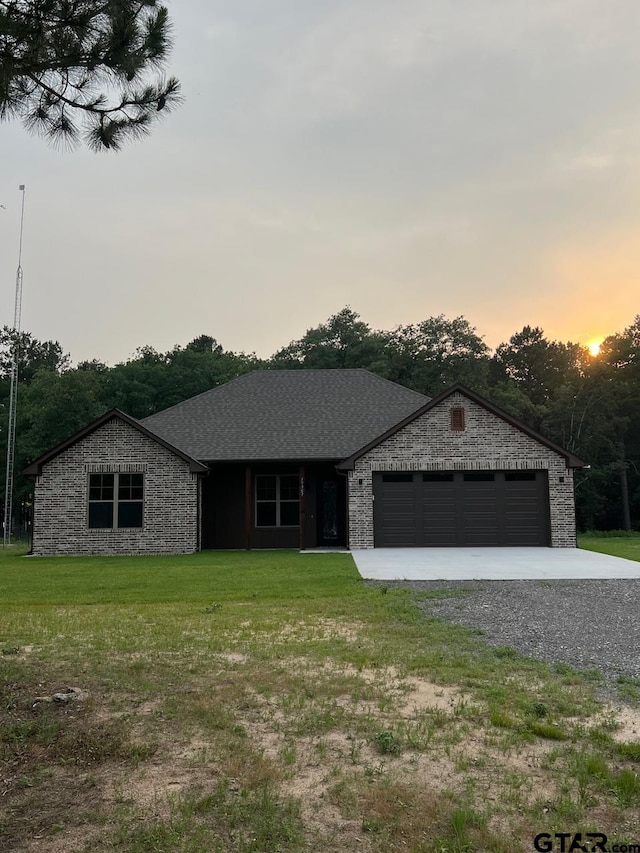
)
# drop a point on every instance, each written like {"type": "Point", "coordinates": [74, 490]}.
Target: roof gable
{"type": "Point", "coordinates": [35, 468]}
{"type": "Point", "coordinates": [573, 461]}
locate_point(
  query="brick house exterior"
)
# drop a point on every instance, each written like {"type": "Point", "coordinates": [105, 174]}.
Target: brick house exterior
{"type": "Point", "coordinates": [171, 495]}
{"type": "Point", "coordinates": [292, 459]}
{"type": "Point", "coordinates": [487, 443]}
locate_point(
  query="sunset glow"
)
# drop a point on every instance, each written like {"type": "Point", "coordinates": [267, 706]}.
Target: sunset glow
{"type": "Point", "coordinates": [594, 348]}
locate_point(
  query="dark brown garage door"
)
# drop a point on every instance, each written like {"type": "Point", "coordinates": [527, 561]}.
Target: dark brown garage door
{"type": "Point", "coordinates": [462, 508]}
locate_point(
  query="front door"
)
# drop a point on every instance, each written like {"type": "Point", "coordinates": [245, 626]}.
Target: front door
{"type": "Point", "coordinates": [331, 513]}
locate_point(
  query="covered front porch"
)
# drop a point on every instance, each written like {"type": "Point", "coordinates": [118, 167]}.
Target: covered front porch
{"type": "Point", "coordinates": [273, 505]}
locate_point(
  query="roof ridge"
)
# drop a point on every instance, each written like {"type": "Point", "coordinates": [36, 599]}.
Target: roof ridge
{"type": "Point", "coordinates": [294, 370]}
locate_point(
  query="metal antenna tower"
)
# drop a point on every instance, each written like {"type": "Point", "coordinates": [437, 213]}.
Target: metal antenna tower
{"type": "Point", "coordinates": [13, 394]}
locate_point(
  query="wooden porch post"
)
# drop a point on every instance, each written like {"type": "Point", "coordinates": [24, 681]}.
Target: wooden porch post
{"type": "Point", "coordinates": [248, 506]}
{"type": "Point", "coordinates": [303, 508]}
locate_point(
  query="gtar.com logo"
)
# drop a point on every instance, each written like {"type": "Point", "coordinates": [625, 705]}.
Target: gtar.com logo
{"type": "Point", "coordinates": [588, 842]}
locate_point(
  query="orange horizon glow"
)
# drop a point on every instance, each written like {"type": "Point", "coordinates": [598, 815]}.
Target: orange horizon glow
{"type": "Point", "coordinates": [594, 348]}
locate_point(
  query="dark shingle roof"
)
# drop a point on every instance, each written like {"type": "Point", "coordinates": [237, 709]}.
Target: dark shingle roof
{"type": "Point", "coordinates": [286, 414]}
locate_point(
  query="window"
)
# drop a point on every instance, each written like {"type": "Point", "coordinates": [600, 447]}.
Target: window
{"type": "Point", "coordinates": [277, 500]}
{"type": "Point", "coordinates": [397, 478]}
{"type": "Point", "coordinates": [479, 476]}
{"type": "Point", "coordinates": [115, 500]}
{"type": "Point", "coordinates": [457, 419]}
{"type": "Point", "coordinates": [438, 477]}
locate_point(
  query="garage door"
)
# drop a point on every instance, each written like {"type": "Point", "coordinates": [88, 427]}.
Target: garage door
{"type": "Point", "coordinates": [461, 508]}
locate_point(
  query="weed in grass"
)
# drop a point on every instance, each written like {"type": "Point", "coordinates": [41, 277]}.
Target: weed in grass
{"type": "Point", "coordinates": [589, 772]}
{"type": "Point", "coordinates": [318, 718]}
{"type": "Point", "coordinates": [373, 824]}
{"type": "Point", "coordinates": [462, 762]}
{"type": "Point", "coordinates": [516, 786]}
{"type": "Point", "coordinates": [387, 743]}
{"type": "Point", "coordinates": [251, 766]}
{"type": "Point", "coordinates": [268, 823]}
{"type": "Point", "coordinates": [626, 788]}
{"type": "Point", "coordinates": [437, 717]}
{"type": "Point", "coordinates": [374, 771]}
{"type": "Point", "coordinates": [601, 738]}
{"type": "Point", "coordinates": [156, 836]}
{"type": "Point", "coordinates": [549, 731]}
{"type": "Point", "coordinates": [321, 749]}
{"type": "Point", "coordinates": [355, 749]}
{"type": "Point", "coordinates": [629, 688]}
{"type": "Point", "coordinates": [630, 750]}
{"type": "Point", "coordinates": [497, 694]}
{"type": "Point", "coordinates": [502, 652]}
{"type": "Point", "coordinates": [288, 754]}
{"type": "Point", "coordinates": [458, 837]}
{"type": "Point", "coordinates": [344, 795]}
{"type": "Point", "coordinates": [565, 811]}
{"type": "Point", "coordinates": [501, 720]}
{"type": "Point", "coordinates": [418, 734]}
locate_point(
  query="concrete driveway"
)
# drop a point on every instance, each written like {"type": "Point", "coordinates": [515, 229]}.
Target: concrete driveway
{"type": "Point", "coordinates": [490, 564]}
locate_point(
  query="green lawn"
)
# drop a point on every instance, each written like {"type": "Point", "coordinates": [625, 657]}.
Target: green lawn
{"type": "Point", "coordinates": [196, 578]}
{"type": "Point", "coordinates": [618, 544]}
{"type": "Point", "coordinates": [272, 701]}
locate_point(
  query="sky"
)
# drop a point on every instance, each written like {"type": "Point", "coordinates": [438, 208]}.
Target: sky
{"type": "Point", "coordinates": [408, 159]}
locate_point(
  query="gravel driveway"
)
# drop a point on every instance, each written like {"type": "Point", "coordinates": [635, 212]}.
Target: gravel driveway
{"type": "Point", "coordinates": [588, 624]}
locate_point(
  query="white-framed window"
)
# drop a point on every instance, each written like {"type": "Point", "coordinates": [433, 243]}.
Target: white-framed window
{"type": "Point", "coordinates": [277, 500]}
{"type": "Point", "coordinates": [116, 500]}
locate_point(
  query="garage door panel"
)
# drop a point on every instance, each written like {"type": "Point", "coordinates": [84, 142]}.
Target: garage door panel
{"type": "Point", "coordinates": [438, 511]}
{"type": "Point", "coordinates": [473, 509]}
{"type": "Point", "coordinates": [439, 529]}
{"type": "Point", "coordinates": [525, 518]}
{"type": "Point", "coordinates": [396, 525]}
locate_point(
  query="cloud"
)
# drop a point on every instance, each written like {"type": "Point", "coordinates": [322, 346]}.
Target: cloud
{"type": "Point", "coordinates": [350, 58]}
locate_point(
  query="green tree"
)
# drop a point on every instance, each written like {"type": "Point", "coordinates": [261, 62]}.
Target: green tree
{"type": "Point", "coordinates": [344, 341]}
{"type": "Point", "coordinates": [151, 381]}
{"type": "Point", "coordinates": [586, 418]}
{"type": "Point", "coordinates": [53, 407]}
{"type": "Point", "coordinates": [33, 355]}
{"type": "Point", "coordinates": [90, 68]}
{"type": "Point", "coordinates": [619, 369]}
{"type": "Point", "coordinates": [431, 355]}
{"type": "Point", "coordinates": [536, 365]}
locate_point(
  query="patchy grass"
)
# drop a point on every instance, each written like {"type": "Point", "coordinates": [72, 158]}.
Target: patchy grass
{"type": "Point", "coordinates": [273, 701]}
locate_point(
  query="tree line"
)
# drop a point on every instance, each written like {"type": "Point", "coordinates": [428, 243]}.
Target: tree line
{"type": "Point", "coordinates": [588, 404]}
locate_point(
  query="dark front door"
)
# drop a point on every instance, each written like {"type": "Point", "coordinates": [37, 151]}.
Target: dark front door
{"type": "Point", "coordinates": [331, 512]}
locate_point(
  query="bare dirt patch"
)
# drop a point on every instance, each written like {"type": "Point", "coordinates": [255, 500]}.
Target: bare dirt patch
{"type": "Point", "coordinates": [627, 720]}
{"type": "Point", "coordinates": [347, 743]}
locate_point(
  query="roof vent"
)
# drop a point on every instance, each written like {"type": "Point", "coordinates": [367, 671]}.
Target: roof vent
{"type": "Point", "coordinates": [457, 419]}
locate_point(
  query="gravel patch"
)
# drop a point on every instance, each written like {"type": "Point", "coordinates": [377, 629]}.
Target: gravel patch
{"type": "Point", "coordinates": [587, 624]}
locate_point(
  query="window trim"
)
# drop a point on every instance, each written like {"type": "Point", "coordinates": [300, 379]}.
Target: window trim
{"type": "Point", "coordinates": [278, 500]}
{"type": "Point", "coordinates": [116, 500]}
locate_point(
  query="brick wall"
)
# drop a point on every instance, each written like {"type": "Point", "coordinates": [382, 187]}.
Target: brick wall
{"type": "Point", "coordinates": [170, 516]}
{"type": "Point", "coordinates": [487, 443]}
